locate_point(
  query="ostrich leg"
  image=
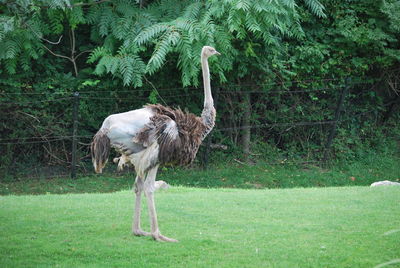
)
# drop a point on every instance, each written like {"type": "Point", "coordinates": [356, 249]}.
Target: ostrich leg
{"type": "Point", "coordinates": [136, 230]}
{"type": "Point", "coordinates": [149, 192]}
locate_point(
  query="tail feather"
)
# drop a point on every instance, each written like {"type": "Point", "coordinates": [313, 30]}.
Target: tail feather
{"type": "Point", "coordinates": [100, 150]}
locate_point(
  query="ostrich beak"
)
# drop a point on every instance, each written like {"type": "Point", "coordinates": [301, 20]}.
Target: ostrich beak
{"type": "Point", "coordinates": [217, 53]}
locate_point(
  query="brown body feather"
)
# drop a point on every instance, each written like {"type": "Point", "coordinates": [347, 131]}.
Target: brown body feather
{"type": "Point", "coordinates": [100, 149]}
{"type": "Point", "coordinates": [180, 149]}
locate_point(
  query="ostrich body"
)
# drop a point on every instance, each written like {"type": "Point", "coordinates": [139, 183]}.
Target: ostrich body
{"type": "Point", "coordinates": [152, 136]}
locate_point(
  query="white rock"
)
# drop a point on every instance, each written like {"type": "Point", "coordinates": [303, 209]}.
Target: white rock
{"type": "Point", "coordinates": [384, 183]}
{"type": "Point", "coordinates": [161, 185]}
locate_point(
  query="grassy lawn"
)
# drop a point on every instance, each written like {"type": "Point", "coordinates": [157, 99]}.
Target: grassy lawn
{"type": "Point", "coordinates": [313, 227]}
{"type": "Point", "coordinates": [230, 175]}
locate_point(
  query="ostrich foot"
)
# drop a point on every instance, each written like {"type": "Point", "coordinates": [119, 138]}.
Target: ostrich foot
{"type": "Point", "coordinates": [139, 232]}
{"type": "Point", "coordinates": [161, 238]}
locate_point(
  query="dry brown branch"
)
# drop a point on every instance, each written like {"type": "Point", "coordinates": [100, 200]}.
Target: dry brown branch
{"type": "Point", "coordinates": [57, 55]}
{"type": "Point", "coordinates": [240, 162]}
{"type": "Point", "coordinates": [54, 156]}
{"type": "Point", "coordinates": [24, 113]}
{"type": "Point", "coordinates": [50, 42]}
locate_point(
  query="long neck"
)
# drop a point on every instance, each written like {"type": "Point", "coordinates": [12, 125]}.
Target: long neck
{"type": "Point", "coordinates": [208, 114]}
{"type": "Point", "coordinates": [208, 100]}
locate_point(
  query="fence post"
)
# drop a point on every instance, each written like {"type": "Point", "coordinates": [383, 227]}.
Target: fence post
{"type": "Point", "coordinates": [75, 115]}
{"type": "Point", "coordinates": [208, 141]}
{"type": "Point", "coordinates": [338, 112]}
{"type": "Point", "coordinates": [246, 132]}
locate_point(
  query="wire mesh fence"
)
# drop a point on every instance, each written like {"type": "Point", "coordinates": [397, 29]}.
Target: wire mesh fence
{"type": "Point", "coordinates": [52, 155]}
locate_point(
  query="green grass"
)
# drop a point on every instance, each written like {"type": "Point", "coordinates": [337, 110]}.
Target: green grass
{"type": "Point", "coordinates": [230, 175]}
{"type": "Point", "coordinates": [313, 227]}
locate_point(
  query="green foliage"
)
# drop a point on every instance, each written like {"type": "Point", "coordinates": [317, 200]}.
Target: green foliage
{"type": "Point", "coordinates": [75, 17]}
{"type": "Point", "coordinates": [7, 25]}
{"type": "Point", "coordinates": [53, 48]}
{"type": "Point", "coordinates": [316, 7]}
{"type": "Point", "coordinates": [391, 9]}
{"type": "Point", "coordinates": [127, 34]}
{"type": "Point", "coordinates": [29, 26]}
{"type": "Point", "coordinates": [129, 67]}
{"type": "Point", "coordinates": [183, 27]}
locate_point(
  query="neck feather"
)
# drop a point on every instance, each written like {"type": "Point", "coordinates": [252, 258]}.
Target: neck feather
{"type": "Point", "coordinates": [208, 114]}
{"type": "Point", "coordinates": [208, 100]}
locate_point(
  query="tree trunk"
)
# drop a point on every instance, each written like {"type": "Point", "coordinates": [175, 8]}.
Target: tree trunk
{"type": "Point", "coordinates": [246, 132]}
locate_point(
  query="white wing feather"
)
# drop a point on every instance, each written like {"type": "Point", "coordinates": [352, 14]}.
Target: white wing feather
{"type": "Point", "coordinates": [122, 127]}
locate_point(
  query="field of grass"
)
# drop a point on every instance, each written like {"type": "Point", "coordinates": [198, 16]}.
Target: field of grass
{"type": "Point", "coordinates": [228, 175]}
{"type": "Point", "coordinates": [313, 227]}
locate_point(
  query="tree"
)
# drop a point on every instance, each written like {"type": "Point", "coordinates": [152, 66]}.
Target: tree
{"type": "Point", "coordinates": [57, 46]}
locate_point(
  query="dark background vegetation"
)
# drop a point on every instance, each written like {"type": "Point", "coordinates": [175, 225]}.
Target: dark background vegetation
{"type": "Point", "coordinates": [282, 63]}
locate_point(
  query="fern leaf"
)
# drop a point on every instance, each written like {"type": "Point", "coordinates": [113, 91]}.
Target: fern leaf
{"type": "Point", "coordinates": [25, 62]}
{"type": "Point", "coordinates": [131, 70]}
{"type": "Point", "coordinates": [75, 16]}
{"type": "Point", "coordinates": [56, 18]}
{"type": "Point", "coordinates": [127, 9]}
{"type": "Point", "coordinates": [192, 11]}
{"type": "Point", "coordinates": [120, 28]}
{"type": "Point", "coordinates": [289, 3]}
{"type": "Point", "coordinates": [316, 7]}
{"type": "Point", "coordinates": [11, 49]}
{"type": "Point", "coordinates": [93, 14]}
{"type": "Point", "coordinates": [59, 4]}
{"type": "Point", "coordinates": [11, 65]}
{"type": "Point", "coordinates": [150, 33]}
{"type": "Point", "coordinates": [139, 69]}
{"type": "Point", "coordinates": [185, 60]}
{"type": "Point", "coordinates": [100, 67]}
{"type": "Point", "coordinates": [243, 5]}
{"type": "Point", "coordinates": [97, 53]}
{"type": "Point", "coordinates": [252, 24]}
{"type": "Point", "coordinates": [105, 21]}
{"type": "Point", "coordinates": [160, 52]}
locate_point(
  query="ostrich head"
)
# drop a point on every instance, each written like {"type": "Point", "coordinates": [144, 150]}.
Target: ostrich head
{"type": "Point", "coordinates": [208, 51]}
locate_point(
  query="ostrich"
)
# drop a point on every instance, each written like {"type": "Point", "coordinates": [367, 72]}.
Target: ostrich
{"type": "Point", "coordinates": [151, 136]}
